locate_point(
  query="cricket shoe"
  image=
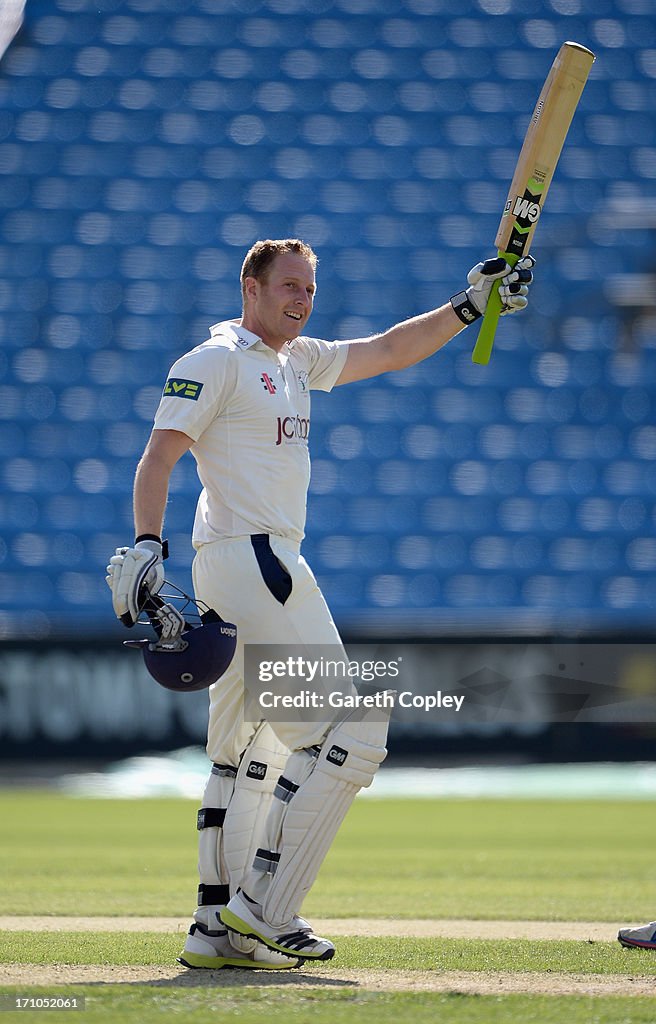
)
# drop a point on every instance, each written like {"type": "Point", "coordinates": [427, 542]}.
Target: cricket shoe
{"type": "Point", "coordinates": [296, 938]}
{"type": "Point", "coordinates": [638, 938]}
{"type": "Point", "coordinates": [214, 950]}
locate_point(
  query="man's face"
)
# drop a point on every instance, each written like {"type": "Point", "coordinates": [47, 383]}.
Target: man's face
{"type": "Point", "coordinates": [278, 307]}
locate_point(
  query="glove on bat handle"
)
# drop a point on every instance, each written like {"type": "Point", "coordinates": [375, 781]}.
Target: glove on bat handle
{"type": "Point", "coordinates": [485, 341]}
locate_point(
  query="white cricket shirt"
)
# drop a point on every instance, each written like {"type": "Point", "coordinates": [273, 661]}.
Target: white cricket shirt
{"type": "Point", "coordinates": [247, 409]}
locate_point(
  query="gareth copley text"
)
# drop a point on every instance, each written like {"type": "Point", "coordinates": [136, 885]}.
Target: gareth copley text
{"type": "Point", "coordinates": [312, 700]}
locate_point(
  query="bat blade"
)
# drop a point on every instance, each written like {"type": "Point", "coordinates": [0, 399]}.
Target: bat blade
{"type": "Point", "coordinates": [534, 171]}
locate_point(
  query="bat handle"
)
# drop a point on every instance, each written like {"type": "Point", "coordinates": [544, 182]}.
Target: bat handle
{"type": "Point", "coordinates": [485, 341]}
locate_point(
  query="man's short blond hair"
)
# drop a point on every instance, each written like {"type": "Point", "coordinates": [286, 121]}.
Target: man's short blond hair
{"type": "Point", "coordinates": [261, 255]}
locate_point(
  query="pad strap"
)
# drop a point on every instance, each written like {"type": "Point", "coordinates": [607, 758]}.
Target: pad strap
{"type": "Point", "coordinates": [285, 789]}
{"type": "Point", "coordinates": [266, 860]}
{"type": "Point", "coordinates": [210, 817]}
{"type": "Point", "coordinates": [211, 895]}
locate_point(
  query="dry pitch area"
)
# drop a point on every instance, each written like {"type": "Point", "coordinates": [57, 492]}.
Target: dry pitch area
{"type": "Point", "coordinates": [497, 983]}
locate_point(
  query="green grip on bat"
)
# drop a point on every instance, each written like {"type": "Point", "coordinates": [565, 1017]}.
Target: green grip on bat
{"type": "Point", "coordinates": [485, 341]}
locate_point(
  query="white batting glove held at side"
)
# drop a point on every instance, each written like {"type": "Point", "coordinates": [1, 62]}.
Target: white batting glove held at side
{"type": "Point", "coordinates": [514, 284]}
{"type": "Point", "coordinates": [130, 570]}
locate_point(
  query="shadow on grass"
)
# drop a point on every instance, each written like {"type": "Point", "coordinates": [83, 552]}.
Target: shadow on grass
{"type": "Point", "coordinates": [114, 976]}
{"type": "Point", "coordinates": [237, 978]}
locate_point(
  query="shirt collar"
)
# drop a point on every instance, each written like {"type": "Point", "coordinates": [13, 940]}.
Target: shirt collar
{"type": "Point", "coordinates": [242, 338]}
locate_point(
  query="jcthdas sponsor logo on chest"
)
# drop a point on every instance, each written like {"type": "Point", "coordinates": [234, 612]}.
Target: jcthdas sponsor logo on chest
{"type": "Point", "coordinates": [293, 429]}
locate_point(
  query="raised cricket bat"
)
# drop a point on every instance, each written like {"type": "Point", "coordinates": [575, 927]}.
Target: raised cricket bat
{"type": "Point", "coordinates": [535, 168]}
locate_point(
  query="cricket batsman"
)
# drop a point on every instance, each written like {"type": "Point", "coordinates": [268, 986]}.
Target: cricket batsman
{"type": "Point", "coordinates": [240, 402]}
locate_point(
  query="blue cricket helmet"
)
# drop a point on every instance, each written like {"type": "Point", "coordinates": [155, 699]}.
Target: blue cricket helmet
{"type": "Point", "coordinates": [189, 656]}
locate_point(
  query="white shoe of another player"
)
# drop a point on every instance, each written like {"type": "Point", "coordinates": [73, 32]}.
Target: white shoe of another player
{"type": "Point", "coordinates": [295, 938]}
{"type": "Point", "coordinates": [638, 938]}
{"type": "Point", "coordinates": [216, 951]}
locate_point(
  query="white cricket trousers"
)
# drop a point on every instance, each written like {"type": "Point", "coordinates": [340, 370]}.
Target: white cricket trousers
{"type": "Point", "coordinates": [227, 576]}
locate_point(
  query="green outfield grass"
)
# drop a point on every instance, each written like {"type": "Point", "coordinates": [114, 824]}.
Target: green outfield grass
{"type": "Point", "coordinates": [548, 860]}
{"type": "Point", "coordinates": [338, 1006]}
{"type": "Point", "coordinates": [408, 954]}
{"type": "Point", "coordinates": [397, 858]}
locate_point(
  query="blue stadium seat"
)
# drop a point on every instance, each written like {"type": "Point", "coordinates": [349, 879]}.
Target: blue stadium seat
{"type": "Point", "coordinates": [144, 148]}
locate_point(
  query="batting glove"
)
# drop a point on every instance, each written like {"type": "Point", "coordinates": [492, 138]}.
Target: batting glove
{"type": "Point", "coordinates": [513, 288]}
{"type": "Point", "coordinates": [134, 574]}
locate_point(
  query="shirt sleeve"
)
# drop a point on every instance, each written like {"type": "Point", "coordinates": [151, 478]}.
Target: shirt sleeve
{"type": "Point", "coordinates": [325, 362]}
{"type": "Point", "coordinates": [194, 393]}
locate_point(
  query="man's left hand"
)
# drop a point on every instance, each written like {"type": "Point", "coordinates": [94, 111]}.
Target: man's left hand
{"type": "Point", "coordinates": [132, 575]}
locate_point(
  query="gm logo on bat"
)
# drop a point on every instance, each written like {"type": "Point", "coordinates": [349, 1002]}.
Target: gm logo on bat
{"type": "Point", "coordinates": [524, 209]}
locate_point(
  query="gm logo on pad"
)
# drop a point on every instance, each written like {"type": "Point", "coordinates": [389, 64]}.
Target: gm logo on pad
{"type": "Point", "coordinates": [176, 388]}
{"type": "Point", "coordinates": [337, 755]}
{"type": "Point", "coordinates": [256, 770]}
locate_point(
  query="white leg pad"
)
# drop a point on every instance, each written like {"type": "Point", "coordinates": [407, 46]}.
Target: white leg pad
{"type": "Point", "coordinates": [231, 822]}
{"type": "Point", "coordinates": [298, 768]}
{"type": "Point", "coordinates": [245, 821]}
{"type": "Point", "coordinates": [348, 761]}
{"type": "Point", "coordinates": [212, 870]}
